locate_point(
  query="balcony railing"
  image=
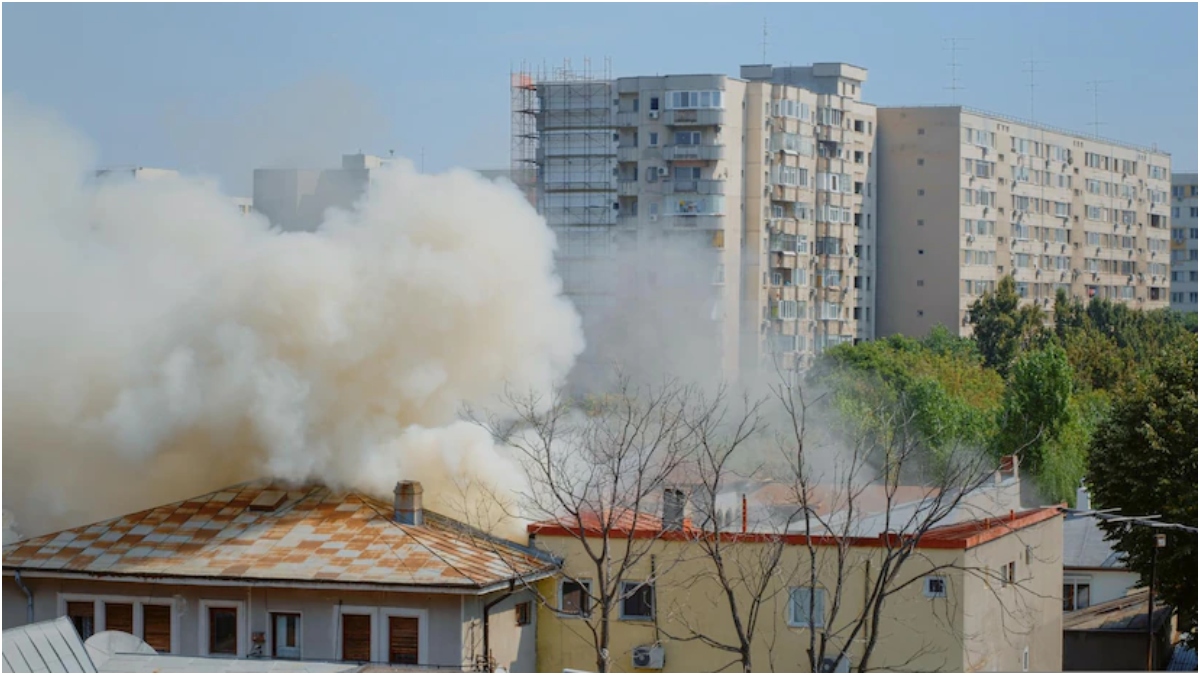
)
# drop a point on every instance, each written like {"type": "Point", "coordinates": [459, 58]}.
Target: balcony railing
{"type": "Point", "coordinates": [627, 188]}
{"type": "Point", "coordinates": [701, 152]}
{"type": "Point", "coordinates": [703, 187]}
{"type": "Point", "coordinates": [628, 153]}
{"type": "Point", "coordinates": [693, 118]}
{"type": "Point", "coordinates": [627, 119]}
{"type": "Point", "coordinates": [705, 222]}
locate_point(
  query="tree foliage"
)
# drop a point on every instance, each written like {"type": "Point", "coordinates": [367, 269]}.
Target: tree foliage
{"type": "Point", "coordinates": [1003, 327]}
{"type": "Point", "coordinates": [1143, 461]}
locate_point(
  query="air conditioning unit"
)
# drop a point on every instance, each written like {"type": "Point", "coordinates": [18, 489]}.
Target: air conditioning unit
{"type": "Point", "coordinates": [653, 114]}
{"type": "Point", "coordinates": [653, 219]}
{"type": "Point", "coordinates": [663, 171]}
{"type": "Point", "coordinates": [970, 238]}
{"type": "Point", "coordinates": [648, 657]}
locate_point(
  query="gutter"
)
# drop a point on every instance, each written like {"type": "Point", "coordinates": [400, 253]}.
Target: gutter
{"type": "Point", "coordinates": [447, 589]}
{"type": "Point", "coordinates": [28, 597]}
{"type": "Point", "coordinates": [487, 645]}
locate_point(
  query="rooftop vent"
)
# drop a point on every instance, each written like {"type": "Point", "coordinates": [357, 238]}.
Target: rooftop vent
{"type": "Point", "coordinates": [268, 500]}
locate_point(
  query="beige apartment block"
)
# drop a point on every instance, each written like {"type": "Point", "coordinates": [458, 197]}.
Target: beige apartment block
{"type": "Point", "coordinates": [968, 197]}
{"type": "Point", "coordinates": [747, 204]}
{"type": "Point", "coordinates": [1183, 241]}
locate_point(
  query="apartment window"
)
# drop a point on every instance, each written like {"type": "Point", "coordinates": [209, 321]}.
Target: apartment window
{"type": "Point", "coordinates": [223, 630]}
{"type": "Point", "coordinates": [1174, 211]}
{"type": "Point", "coordinates": [653, 139]}
{"type": "Point", "coordinates": [920, 251]}
{"type": "Point", "coordinates": [637, 600]}
{"type": "Point", "coordinates": [687, 138]}
{"type": "Point", "coordinates": [83, 615]}
{"type": "Point", "coordinates": [858, 157]}
{"type": "Point", "coordinates": [935, 587]}
{"type": "Point", "coordinates": [524, 610]}
{"type": "Point", "coordinates": [574, 597]}
{"type": "Point", "coordinates": [285, 635]}
{"type": "Point", "coordinates": [920, 223]}
{"type": "Point", "coordinates": [920, 282]}
{"type": "Point", "coordinates": [920, 161]}
{"type": "Point", "coordinates": [1025, 660]}
{"type": "Point", "coordinates": [806, 608]}
{"type": "Point", "coordinates": [404, 640]}
{"type": "Point", "coordinates": [356, 637]}
{"type": "Point", "coordinates": [1009, 571]}
{"type": "Point", "coordinates": [1077, 594]}
{"type": "Point", "coordinates": [921, 132]}
{"type": "Point", "coordinates": [921, 193]}
{"type": "Point", "coordinates": [1193, 211]}
{"type": "Point", "coordinates": [684, 100]}
{"type": "Point", "coordinates": [654, 103]}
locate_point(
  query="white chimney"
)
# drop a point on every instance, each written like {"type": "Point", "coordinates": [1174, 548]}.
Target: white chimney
{"type": "Point", "coordinates": [407, 505]}
{"type": "Point", "coordinates": [1083, 500]}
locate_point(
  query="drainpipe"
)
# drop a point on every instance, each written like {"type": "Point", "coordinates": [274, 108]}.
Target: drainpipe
{"type": "Point", "coordinates": [28, 597]}
{"type": "Point", "coordinates": [487, 647]}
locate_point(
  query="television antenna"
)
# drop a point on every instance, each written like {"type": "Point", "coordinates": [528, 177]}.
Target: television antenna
{"type": "Point", "coordinates": [954, 47]}
{"type": "Point", "coordinates": [1094, 88]}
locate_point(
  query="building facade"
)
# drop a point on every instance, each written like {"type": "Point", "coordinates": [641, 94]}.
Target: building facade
{"type": "Point", "coordinates": [726, 222]}
{"type": "Point", "coordinates": [274, 571]}
{"type": "Point", "coordinates": [1183, 241]}
{"type": "Point", "coordinates": [968, 197]}
{"type": "Point", "coordinates": [297, 199]}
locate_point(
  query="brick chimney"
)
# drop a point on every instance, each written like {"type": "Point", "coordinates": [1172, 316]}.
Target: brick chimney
{"type": "Point", "coordinates": [407, 505]}
{"type": "Point", "coordinates": [673, 505]}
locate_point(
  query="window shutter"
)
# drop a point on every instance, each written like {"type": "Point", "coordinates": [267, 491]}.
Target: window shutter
{"type": "Point", "coordinates": [118, 617]}
{"type": "Point", "coordinates": [156, 627]}
{"type": "Point", "coordinates": [356, 637]}
{"type": "Point", "coordinates": [403, 633]}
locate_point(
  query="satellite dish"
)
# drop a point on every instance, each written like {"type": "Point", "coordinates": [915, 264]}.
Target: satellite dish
{"type": "Point", "coordinates": [103, 646]}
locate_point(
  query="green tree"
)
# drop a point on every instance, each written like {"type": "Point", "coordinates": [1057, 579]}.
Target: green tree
{"type": "Point", "coordinates": [1143, 461]}
{"type": "Point", "coordinates": [1003, 327]}
{"type": "Point", "coordinates": [1040, 418]}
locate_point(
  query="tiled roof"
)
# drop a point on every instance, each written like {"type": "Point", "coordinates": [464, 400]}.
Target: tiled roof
{"type": "Point", "coordinates": [618, 525]}
{"type": "Point", "coordinates": [264, 532]}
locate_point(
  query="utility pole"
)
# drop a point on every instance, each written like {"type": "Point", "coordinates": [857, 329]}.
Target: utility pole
{"type": "Point", "coordinates": [1160, 541]}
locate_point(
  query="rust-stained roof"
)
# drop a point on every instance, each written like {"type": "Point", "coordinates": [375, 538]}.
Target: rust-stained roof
{"type": "Point", "coordinates": [314, 534]}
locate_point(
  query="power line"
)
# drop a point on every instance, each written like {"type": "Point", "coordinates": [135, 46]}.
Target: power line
{"type": "Point", "coordinates": [1148, 521]}
{"type": "Point", "coordinates": [1094, 88]}
{"type": "Point", "coordinates": [954, 87]}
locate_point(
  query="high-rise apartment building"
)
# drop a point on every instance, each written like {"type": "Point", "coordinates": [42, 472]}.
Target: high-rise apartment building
{"type": "Point", "coordinates": [297, 199]}
{"type": "Point", "coordinates": [967, 197]}
{"type": "Point", "coordinates": [727, 221]}
{"type": "Point", "coordinates": [1183, 241]}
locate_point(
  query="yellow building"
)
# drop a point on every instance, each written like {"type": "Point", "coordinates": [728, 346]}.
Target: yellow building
{"type": "Point", "coordinates": [981, 595]}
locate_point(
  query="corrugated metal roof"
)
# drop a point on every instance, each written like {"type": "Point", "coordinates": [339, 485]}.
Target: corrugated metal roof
{"type": "Point", "coordinates": [1084, 545]}
{"type": "Point", "coordinates": [314, 535]}
{"type": "Point", "coordinates": [45, 647]}
{"type": "Point", "coordinates": [1123, 614]}
{"type": "Point", "coordinates": [1183, 659]}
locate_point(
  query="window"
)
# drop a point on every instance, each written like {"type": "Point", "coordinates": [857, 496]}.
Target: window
{"type": "Point", "coordinates": [356, 637]}
{"type": "Point", "coordinates": [1009, 571]}
{"type": "Point", "coordinates": [654, 103]}
{"type": "Point", "coordinates": [684, 100]}
{"type": "Point", "coordinates": [83, 615]}
{"type": "Point", "coordinates": [1025, 660]}
{"type": "Point", "coordinates": [285, 635]}
{"type": "Point", "coordinates": [524, 610]}
{"type": "Point", "coordinates": [1077, 594]}
{"type": "Point", "coordinates": [935, 587]}
{"type": "Point", "coordinates": [637, 600]}
{"type": "Point", "coordinates": [806, 608]}
{"type": "Point", "coordinates": [654, 139]}
{"type": "Point", "coordinates": [223, 630]}
{"type": "Point", "coordinates": [118, 616]}
{"type": "Point", "coordinates": [687, 138]}
{"type": "Point", "coordinates": [404, 638]}
{"type": "Point", "coordinates": [574, 597]}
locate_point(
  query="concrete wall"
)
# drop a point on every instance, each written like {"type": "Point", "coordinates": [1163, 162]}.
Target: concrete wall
{"type": "Point", "coordinates": [1184, 242]}
{"type": "Point", "coordinates": [450, 631]}
{"type": "Point", "coordinates": [919, 220]}
{"type": "Point", "coordinates": [917, 633]}
{"type": "Point", "coordinates": [1001, 621]}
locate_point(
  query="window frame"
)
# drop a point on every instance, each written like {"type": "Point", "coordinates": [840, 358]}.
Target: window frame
{"type": "Point", "coordinates": [558, 608]}
{"type": "Point", "coordinates": [926, 586]}
{"type": "Point", "coordinates": [299, 633]}
{"type": "Point", "coordinates": [803, 622]}
{"type": "Point", "coordinates": [138, 602]}
{"type": "Point", "coordinates": [241, 649]}
{"type": "Point", "coordinates": [638, 586]}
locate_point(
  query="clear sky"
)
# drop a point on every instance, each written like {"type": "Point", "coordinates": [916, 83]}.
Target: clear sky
{"type": "Point", "coordinates": [221, 88]}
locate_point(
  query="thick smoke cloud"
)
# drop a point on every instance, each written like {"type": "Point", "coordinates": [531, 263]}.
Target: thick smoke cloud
{"type": "Point", "coordinates": [158, 344]}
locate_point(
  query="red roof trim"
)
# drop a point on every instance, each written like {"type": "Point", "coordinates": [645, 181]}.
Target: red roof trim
{"type": "Point", "coordinates": [958, 536]}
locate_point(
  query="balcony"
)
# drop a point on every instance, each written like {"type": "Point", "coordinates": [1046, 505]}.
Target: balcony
{"type": "Point", "coordinates": [627, 188]}
{"type": "Point", "coordinates": [702, 152]}
{"type": "Point", "coordinates": [702, 187]}
{"type": "Point", "coordinates": [706, 222]}
{"type": "Point", "coordinates": [627, 119]}
{"type": "Point", "coordinates": [693, 118]}
{"type": "Point", "coordinates": [780, 259]}
{"type": "Point", "coordinates": [628, 153]}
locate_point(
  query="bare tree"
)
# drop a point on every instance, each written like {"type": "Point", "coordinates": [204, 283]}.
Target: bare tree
{"type": "Point", "coordinates": [596, 474]}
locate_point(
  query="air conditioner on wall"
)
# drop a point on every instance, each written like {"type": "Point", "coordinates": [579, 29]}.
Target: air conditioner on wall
{"type": "Point", "coordinates": [653, 114]}
{"type": "Point", "coordinates": [664, 171]}
{"type": "Point", "coordinates": [648, 657]}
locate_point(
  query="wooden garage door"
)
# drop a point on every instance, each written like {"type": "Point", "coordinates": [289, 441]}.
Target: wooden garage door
{"type": "Point", "coordinates": [356, 637]}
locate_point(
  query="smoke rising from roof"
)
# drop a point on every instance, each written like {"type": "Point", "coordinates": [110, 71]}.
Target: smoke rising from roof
{"type": "Point", "coordinates": [159, 344]}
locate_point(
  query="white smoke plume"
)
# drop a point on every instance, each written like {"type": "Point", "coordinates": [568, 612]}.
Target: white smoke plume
{"type": "Point", "coordinates": [158, 344]}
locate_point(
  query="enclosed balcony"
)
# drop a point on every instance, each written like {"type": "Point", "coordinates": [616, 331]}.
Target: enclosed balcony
{"type": "Point", "coordinates": [693, 118]}
{"type": "Point", "coordinates": [703, 187]}
{"type": "Point", "coordinates": [704, 152]}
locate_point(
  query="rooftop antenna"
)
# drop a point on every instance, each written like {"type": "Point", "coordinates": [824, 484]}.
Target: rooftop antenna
{"type": "Point", "coordinates": [1031, 69]}
{"type": "Point", "coordinates": [764, 42]}
{"type": "Point", "coordinates": [954, 87]}
{"type": "Point", "coordinates": [1094, 88]}
{"type": "Point", "coordinates": [422, 159]}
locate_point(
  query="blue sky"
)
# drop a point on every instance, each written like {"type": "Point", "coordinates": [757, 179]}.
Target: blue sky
{"type": "Point", "coordinates": [220, 88]}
